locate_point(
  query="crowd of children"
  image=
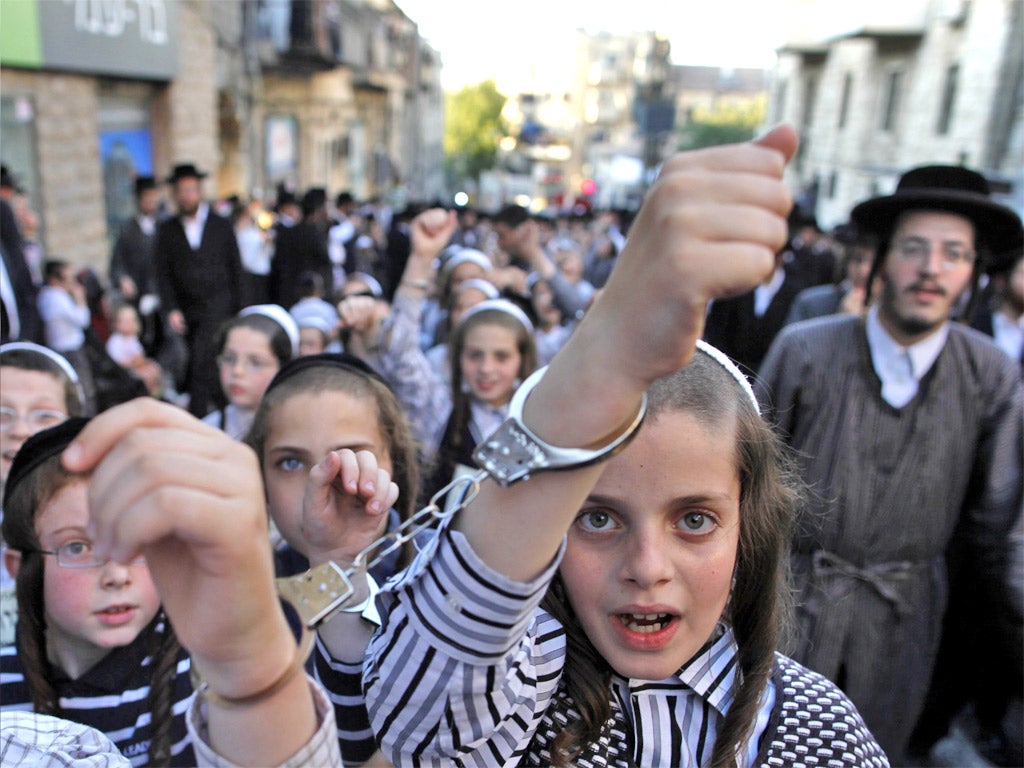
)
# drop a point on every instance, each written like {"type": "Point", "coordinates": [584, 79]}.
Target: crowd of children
{"type": "Point", "coordinates": [624, 610]}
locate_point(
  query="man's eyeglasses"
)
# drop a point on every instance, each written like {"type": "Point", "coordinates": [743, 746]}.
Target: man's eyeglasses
{"type": "Point", "coordinates": [39, 419]}
{"type": "Point", "coordinates": [250, 364]}
{"type": "Point", "coordinates": [918, 251]}
{"type": "Point", "coordinates": [79, 554]}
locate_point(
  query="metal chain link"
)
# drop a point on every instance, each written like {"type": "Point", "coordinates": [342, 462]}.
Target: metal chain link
{"type": "Point", "coordinates": [419, 522]}
{"type": "Point", "coordinates": [319, 592]}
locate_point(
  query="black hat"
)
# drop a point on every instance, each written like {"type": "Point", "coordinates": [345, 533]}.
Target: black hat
{"type": "Point", "coordinates": [7, 180]}
{"type": "Point", "coordinates": [38, 448]}
{"type": "Point", "coordinates": [314, 199]}
{"type": "Point", "coordinates": [952, 189]}
{"type": "Point", "coordinates": [185, 171]}
{"type": "Point", "coordinates": [284, 197]}
{"type": "Point", "coordinates": [142, 183]}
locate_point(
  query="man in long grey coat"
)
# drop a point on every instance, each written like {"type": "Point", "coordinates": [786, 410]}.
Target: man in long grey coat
{"type": "Point", "coordinates": [908, 428]}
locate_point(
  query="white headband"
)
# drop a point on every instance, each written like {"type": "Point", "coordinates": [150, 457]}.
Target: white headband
{"type": "Point", "coordinates": [371, 282]}
{"type": "Point", "coordinates": [722, 359]}
{"type": "Point", "coordinates": [501, 305]}
{"type": "Point", "coordinates": [56, 357]}
{"type": "Point", "coordinates": [487, 289]}
{"type": "Point", "coordinates": [468, 255]}
{"type": "Point", "coordinates": [280, 316]}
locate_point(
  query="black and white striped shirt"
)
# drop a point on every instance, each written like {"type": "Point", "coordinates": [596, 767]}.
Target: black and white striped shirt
{"type": "Point", "coordinates": [112, 697]}
{"type": "Point", "coordinates": [466, 671]}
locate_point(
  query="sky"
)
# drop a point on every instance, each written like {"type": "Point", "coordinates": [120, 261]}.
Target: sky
{"type": "Point", "coordinates": [507, 40]}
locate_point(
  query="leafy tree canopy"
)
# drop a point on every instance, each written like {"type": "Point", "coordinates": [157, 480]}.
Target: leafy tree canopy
{"type": "Point", "coordinates": [473, 127]}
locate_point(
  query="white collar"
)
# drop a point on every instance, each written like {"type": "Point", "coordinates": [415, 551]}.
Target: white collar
{"type": "Point", "coordinates": [885, 349]}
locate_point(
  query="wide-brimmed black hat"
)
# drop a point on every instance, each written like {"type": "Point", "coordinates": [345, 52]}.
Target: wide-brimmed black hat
{"type": "Point", "coordinates": [185, 171]}
{"type": "Point", "coordinates": [7, 180]}
{"type": "Point", "coordinates": [953, 189]}
{"type": "Point", "coordinates": [143, 183]}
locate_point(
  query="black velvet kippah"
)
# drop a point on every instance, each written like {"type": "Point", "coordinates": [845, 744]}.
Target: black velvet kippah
{"type": "Point", "coordinates": [342, 360]}
{"type": "Point", "coordinates": [40, 447]}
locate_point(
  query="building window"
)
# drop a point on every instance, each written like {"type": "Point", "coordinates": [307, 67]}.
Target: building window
{"type": "Point", "coordinates": [948, 100]}
{"type": "Point", "coordinates": [830, 187]}
{"type": "Point", "coordinates": [780, 100]}
{"type": "Point", "coordinates": [126, 152]}
{"type": "Point", "coordinates": [810, 96]}
{"type": "Point", "coordinates": [892, 100]}
{"type": "Point", "coordinates": [844, 101]}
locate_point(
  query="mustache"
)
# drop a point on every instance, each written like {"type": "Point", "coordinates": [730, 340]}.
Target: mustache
{"type": "Point", "coordinates": [926, 286]}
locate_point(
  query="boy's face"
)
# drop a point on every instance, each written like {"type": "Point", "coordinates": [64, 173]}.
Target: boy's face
{"type": "Point", "coordinates": [88, 610]}
{"type": "Point", "coordinates": [27, 393]}
{"type": "Point", "coordinates": [649, 559]}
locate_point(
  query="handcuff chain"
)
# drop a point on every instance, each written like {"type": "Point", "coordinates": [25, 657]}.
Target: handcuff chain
{"type": "Point", "coordinates": [321, 591]}
{"type": "Point", "coordinates": [420, 521]}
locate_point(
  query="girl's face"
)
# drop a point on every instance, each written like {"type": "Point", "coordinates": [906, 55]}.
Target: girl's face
{"type": "Point", "coordinates": [649, 560]}
{"type": "Point", "coordinates": [27, 393]}
{"type": "Point", "coordinates": [247, 364]}
{"type": "Point", "coordinates": [490, 363]}
{"type": "Point", "coordinates": [544, 305]}
{"type": "Point", "coordinates": [301, 430]}
{"type": "Point", "coordinates": [88, 610]}
{"type": "Point", "coordinates": [465, 299]}
{"type": "Point", "coordinates": [311, 341]}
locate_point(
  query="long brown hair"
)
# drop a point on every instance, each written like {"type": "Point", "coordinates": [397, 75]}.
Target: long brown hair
{"type": "Point", "coordinates": [759, 603]}
{"type": "Point", "coordinates": [526, 344]}
{"type": "Point", "coordinates": [23, 501]}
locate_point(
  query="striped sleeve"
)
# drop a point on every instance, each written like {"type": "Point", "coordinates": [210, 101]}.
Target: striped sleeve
{"type": "Point", "coordinates": [343, 683]}
{"type": "Point", "coordinates": [464, 665]}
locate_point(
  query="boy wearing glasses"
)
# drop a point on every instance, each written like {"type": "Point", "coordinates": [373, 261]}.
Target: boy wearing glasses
{"type": "Point", "coordinates": [909, 431]}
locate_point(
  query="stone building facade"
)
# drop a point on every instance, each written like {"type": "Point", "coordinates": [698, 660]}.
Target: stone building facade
{"type": "Point", "coordinates": [76, 133]}
{"type": "Point", "coordinates": [929, 81]}
{"type": "Point", "coordinates": [342, 94]}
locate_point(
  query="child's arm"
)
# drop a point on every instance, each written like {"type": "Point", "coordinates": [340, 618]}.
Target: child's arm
{"type": "Point", "coordinates": [709, 228]}
{"type": "Point", "coordinates": [190, 500]}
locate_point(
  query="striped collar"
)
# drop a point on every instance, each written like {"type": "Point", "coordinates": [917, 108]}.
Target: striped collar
{"type": "Point", "coordinates": [711, 673]}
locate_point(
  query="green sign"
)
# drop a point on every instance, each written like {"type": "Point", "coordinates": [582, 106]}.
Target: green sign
{"type": "Point", "coordinates": [129, 38]}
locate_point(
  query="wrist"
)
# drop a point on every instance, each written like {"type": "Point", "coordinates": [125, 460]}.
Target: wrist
{"type": "Point", "coordinates": [419, 285]}
{"type": "Point", "coordinates": [255, 675]}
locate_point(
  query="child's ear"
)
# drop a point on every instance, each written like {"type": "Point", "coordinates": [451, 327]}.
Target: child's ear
{"type": "Point", "coordinates": [12, 562]}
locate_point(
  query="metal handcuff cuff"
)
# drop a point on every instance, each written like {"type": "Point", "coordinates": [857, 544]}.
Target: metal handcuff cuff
{"type": "Point", "coordinates": [511, 454]}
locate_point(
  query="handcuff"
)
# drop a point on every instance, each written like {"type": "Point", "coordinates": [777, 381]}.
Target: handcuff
{"type": "Point", "coordinates": [511, 454]}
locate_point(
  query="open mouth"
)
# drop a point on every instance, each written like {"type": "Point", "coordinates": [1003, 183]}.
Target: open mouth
{"type": "Point", "coordinates": [115, 610]}
{"type": "Point", "coordinates": [645, 623]}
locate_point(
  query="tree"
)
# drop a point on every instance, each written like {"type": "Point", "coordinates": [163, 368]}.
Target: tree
{"type": "Point", "coordinates": [473, 126]}
{"type": "Point", "coordinates": [722, 124]}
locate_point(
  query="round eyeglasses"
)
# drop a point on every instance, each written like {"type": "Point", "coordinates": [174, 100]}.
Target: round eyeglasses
{"type": "Point", "coordinates": [79, 554]}
{"type": "Point", "coordinates": [919, 251]}
{"type": "Point", "coordinates": [39, 419]}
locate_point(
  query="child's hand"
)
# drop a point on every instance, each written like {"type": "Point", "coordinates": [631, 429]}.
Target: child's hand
{"type": "Point", "coordinates": [431, 231]}
{"type": "Point", "coordinates": [709, 228]}
{"type": "Point", "coordinates": [360, 313]}
{"type": "Point", "coordinates": [190, 500]}
{"type": "Point", "coordinates": [345, 507]}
